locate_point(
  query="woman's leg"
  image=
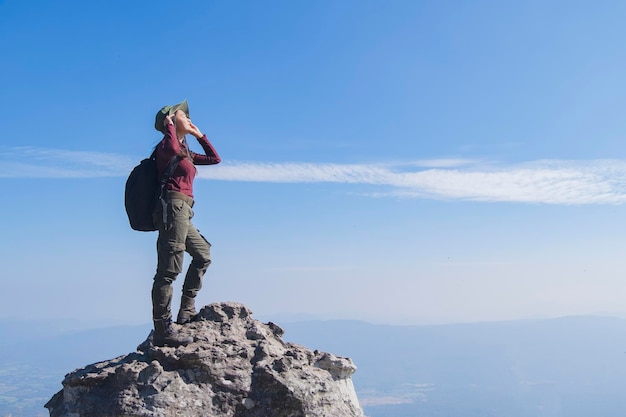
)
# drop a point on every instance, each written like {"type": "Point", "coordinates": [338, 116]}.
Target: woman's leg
{"type": "Point", "coordinates": [200, 250]}
{"type": "Point", "coordinates": [170, 250]}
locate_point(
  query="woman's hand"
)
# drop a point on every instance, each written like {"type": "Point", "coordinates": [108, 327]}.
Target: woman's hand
{"type": "Point", "coordinates": [193, 129]}
{"type": "Point", "coordinates": [168, 120]}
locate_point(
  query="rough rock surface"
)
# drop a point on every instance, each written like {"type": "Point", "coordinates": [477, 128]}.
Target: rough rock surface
{"type": "Point", "coordinates": [236, 366]}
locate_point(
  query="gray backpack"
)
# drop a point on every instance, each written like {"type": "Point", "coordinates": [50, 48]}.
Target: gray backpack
{"type": "Point", "coordinates": [143, 191]}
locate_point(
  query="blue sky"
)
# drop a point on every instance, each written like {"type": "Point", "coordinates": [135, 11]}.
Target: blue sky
{"type": "Point", "coordinates": [398, 162]}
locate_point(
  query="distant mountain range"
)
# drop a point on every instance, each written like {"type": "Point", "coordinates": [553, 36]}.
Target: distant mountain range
{"type": "Point", "coordinates": [35, 356]}
{"type": "Point", "coordinates": [567, 367]}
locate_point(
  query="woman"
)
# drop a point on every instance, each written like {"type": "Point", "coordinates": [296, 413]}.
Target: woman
{"type": "Point", "coordinates": [173, 216]}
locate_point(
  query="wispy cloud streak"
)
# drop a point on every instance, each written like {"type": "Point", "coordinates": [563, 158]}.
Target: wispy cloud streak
{"type": "Point", "coordinates": [30, 162]}
{"type": "Point", "coordinates": [549, 181]}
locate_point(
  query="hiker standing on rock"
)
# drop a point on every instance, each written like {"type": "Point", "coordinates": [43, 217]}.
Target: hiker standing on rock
{"type": "Point", "coordinates": [172, 217]}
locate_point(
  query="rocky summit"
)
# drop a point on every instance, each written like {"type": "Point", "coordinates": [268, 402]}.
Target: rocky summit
{"type": "Point", "coordinates": [236, 366]}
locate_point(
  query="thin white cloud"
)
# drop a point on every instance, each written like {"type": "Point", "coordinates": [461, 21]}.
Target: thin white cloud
{"type": "Point", "coordinates": [30, 162]}
{"type": "Point", "coordinates": [554, 182]}
{"type": "Point", "coordinates": [444, 163]}
{"type": "Point", "coordinates": [550, 181]}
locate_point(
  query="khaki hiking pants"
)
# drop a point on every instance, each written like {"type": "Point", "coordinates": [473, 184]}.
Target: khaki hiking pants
{"type": "Point", "coordinates": [176, 237]}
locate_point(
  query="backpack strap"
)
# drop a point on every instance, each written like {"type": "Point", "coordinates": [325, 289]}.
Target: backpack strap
{"type": "Point", "coordinates": [167, 173]}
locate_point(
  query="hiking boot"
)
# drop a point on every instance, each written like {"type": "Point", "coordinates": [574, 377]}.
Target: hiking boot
{"type": "Point", "coordinates": [164, 335]}
{"type": "Point", "coordinates": [187, 310]}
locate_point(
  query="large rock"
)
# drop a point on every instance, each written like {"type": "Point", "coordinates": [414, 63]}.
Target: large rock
{"type": "Point", "coordinates": [236, 366]}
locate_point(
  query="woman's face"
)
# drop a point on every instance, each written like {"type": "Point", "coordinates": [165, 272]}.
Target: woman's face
{"type": "Point", "coordinates": [181, 121]}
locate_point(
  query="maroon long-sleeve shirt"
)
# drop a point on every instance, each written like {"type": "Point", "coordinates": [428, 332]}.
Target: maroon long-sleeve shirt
{"type": "Point", "coordinates": [184, 174]}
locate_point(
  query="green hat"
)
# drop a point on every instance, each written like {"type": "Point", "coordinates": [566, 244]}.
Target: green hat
{"type": "Point", "coordinates": [166, 111]}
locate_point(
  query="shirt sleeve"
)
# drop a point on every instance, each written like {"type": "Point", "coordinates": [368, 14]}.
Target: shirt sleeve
{"type": "Point", "coordinates": [170, 144]}
{"type": "Point", "coordinates": [210, 156]}
{"type": "Point", "coordinates": [167, 148]}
